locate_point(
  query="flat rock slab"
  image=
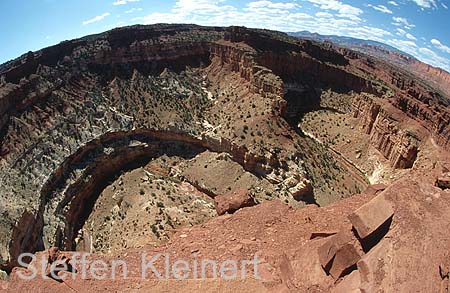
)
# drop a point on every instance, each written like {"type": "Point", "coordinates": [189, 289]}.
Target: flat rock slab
{"type": "Point", "coordinates": [306, 266]}
{"type": "Point", "coordinates": [373, 266]}
{"type": "Point", "coordinates": [338, 254]}
{"type": "Point", "coordinates": [372, 215]}
{"type": "Point", "coordinates": [350, 284]}
{"type": "Point", "coordinates": [328, 250]}
{"type": "Point", "coordinates": [346, 257]}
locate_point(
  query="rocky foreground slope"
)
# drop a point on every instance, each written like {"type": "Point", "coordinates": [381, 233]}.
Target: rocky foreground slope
{"type": "Point", "coordinates": [116, 141]}
{"type": "Point", "coordinates": [379, 241]}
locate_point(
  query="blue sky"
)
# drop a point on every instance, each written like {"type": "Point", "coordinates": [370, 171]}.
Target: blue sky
{"type": "Point", "coordinates": [418, 27]}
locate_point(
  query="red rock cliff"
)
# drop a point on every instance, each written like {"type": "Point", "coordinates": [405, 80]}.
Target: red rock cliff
{"type": "Point", "coordinates": [398, 145]}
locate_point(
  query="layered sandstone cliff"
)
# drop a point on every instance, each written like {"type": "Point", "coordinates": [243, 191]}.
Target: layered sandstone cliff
{"type": "Point", "coordinates": [398, 145]}
{"type": "Point", "coordinates": [65, 137]}
{"type": "Point", "coordinates": [76, 114]}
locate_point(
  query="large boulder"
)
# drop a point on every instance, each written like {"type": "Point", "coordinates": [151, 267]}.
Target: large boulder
{"type": "Point", "coordinates": [338, 255]}
{"type": "Point", "coordinates": [229, 203]}
{"type": "Point", "coordinates": [346, 257]}
{"type": "Point", "coordinates": [371, 216]}
{"type": "Point", "coordinates": [328, 250]}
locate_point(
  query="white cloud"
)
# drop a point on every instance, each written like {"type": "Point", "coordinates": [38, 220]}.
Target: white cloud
{"type": "Point", "coordinates": [393, 3]}
{"type": "Point", "coordinates": [440, 46]}
{"type": "Point", "coordinates": [185, 7]}
{"type": "Point", "coordinates": [444, 5]}
{"type": "Point", "coordinates": [424, 54]}
{"type": "Point", "coordinates": [124, 2]}
{"type": "Point", "coordinates": [341, 8]}
{"type": "Point", "coordinates": [406, 46]}
{"type": "Point", "coordinates": [426, 3]}
{"type": "Point", "coordinates": [349, 16]}
{"type": "Point", "coordinates": [192, 11]}
{"type": "Point", "coordinates": [430, 57]}
{"type": "Point", "coordinates": [95, 19]}
{"type": "Point", "coordinates": [409, 47]}
{"type": "Point", "coordinates": [133, 10]}
{"type": "Point", "coordinates": [411, 37]}
{"type": "Point", "coordinates": [268, 7]}
{"type": "Point", "coordinates": [401, 32]}
{"type": "Point", "coordinates": [381, 8]}
{"type": "Point", "coordinates": [370, 33]}
{"type": "Point", "coordinates": [324, 14]}
{"type": "Point", "coordinates": [268, 4]}
{"type": "Point", "coordinates": [401, 21]}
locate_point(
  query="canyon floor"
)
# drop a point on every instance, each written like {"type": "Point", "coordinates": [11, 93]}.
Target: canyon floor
{"type": "Point", "coordinates": [328, 166]}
